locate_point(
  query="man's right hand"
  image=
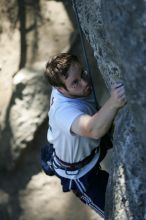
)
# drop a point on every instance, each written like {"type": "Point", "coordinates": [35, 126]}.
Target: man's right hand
{"type": "Point", "coordinates": [118, 97]}
{"type": "Point", "coordinates": [97, 125]}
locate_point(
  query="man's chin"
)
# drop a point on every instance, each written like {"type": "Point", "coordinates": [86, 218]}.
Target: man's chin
{"type": "Point", "coordinates": [84, 94]}
{"type": "Point", "coordinates": [88, 92]}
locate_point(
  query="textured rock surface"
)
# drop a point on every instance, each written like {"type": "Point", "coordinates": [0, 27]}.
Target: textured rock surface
{"type": "Point", "coordinates": [116, 31]}
{"type": "Point", "coordinates": [26, 112]}
{"type": "Point", "coordinates": [26, 42]}
{"type": "Point", "coordinates": [125, 25]}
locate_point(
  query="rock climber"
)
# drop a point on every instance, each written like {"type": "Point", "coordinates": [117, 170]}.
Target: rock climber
{"type": "Point", "coordinates": [76, 128]}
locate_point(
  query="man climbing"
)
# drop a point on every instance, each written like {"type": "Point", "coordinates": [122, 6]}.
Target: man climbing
{"type": "Point", "coordinates": [76, 128]}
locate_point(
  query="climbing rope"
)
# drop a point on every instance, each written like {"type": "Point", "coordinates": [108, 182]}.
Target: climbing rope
{"type": "Point", "coordinates": [84, 50]}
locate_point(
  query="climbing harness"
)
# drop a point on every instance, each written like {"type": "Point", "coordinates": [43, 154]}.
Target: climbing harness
{"type": "Point", "coordinates": [84, 49]}
{"type": "Point", "coordinates": [50, 161]}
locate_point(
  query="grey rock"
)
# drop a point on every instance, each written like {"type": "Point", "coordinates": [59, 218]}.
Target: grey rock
{"type": "Point", "coordinates": [4, 209]}
{"type": "Point", "coordinates": [25, 113]}
{"type": "Point", "coordinates": [116, 31]}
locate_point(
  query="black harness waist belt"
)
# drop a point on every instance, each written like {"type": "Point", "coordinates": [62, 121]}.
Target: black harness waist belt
{"type": "Point", "coordinates": [77, 165]}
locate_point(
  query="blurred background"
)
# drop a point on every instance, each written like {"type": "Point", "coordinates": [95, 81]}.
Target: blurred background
{"type": "Point", "coordinates": [32, 31]}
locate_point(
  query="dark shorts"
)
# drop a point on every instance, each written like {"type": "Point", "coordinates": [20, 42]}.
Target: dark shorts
{"type": "Point", "coordinates": [90, 188]}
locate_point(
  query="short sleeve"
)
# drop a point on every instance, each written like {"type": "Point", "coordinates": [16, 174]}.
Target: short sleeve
{"type": "Point", "coordinates": [64, 117]}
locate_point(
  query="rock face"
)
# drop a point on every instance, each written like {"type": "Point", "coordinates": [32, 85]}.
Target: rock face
{"type": "Point", "coordinates": [26, 112]}
{"type": "Point", "coordinates": [116, 31]}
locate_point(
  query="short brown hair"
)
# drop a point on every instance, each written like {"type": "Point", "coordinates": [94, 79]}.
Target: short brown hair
{"type": "Point", "coordinates": [58, 67]}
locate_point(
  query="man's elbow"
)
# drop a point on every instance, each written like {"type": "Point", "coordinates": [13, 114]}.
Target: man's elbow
{"type": "Point", "coordinates": [97, 134]}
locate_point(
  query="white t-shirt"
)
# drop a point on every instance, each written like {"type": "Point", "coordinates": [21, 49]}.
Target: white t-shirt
{"type": "Point", "coordinates": [63, 111]}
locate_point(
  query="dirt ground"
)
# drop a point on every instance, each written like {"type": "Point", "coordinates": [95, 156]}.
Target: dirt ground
{"type": "Point", "coordinates": [26, 193]}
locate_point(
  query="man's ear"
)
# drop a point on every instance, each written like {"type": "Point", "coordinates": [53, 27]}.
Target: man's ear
{"type": "Point", "coordinates": [61, 89]}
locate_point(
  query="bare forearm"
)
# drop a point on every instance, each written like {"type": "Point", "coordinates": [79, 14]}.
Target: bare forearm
{"type": "Point", "coordinates": [97, 125]}
{"type": "Point", "coordinates": [102, 120]}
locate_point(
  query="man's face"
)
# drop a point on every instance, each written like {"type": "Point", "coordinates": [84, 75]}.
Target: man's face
{"type": "Point", "coordinates": [77, 83]}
